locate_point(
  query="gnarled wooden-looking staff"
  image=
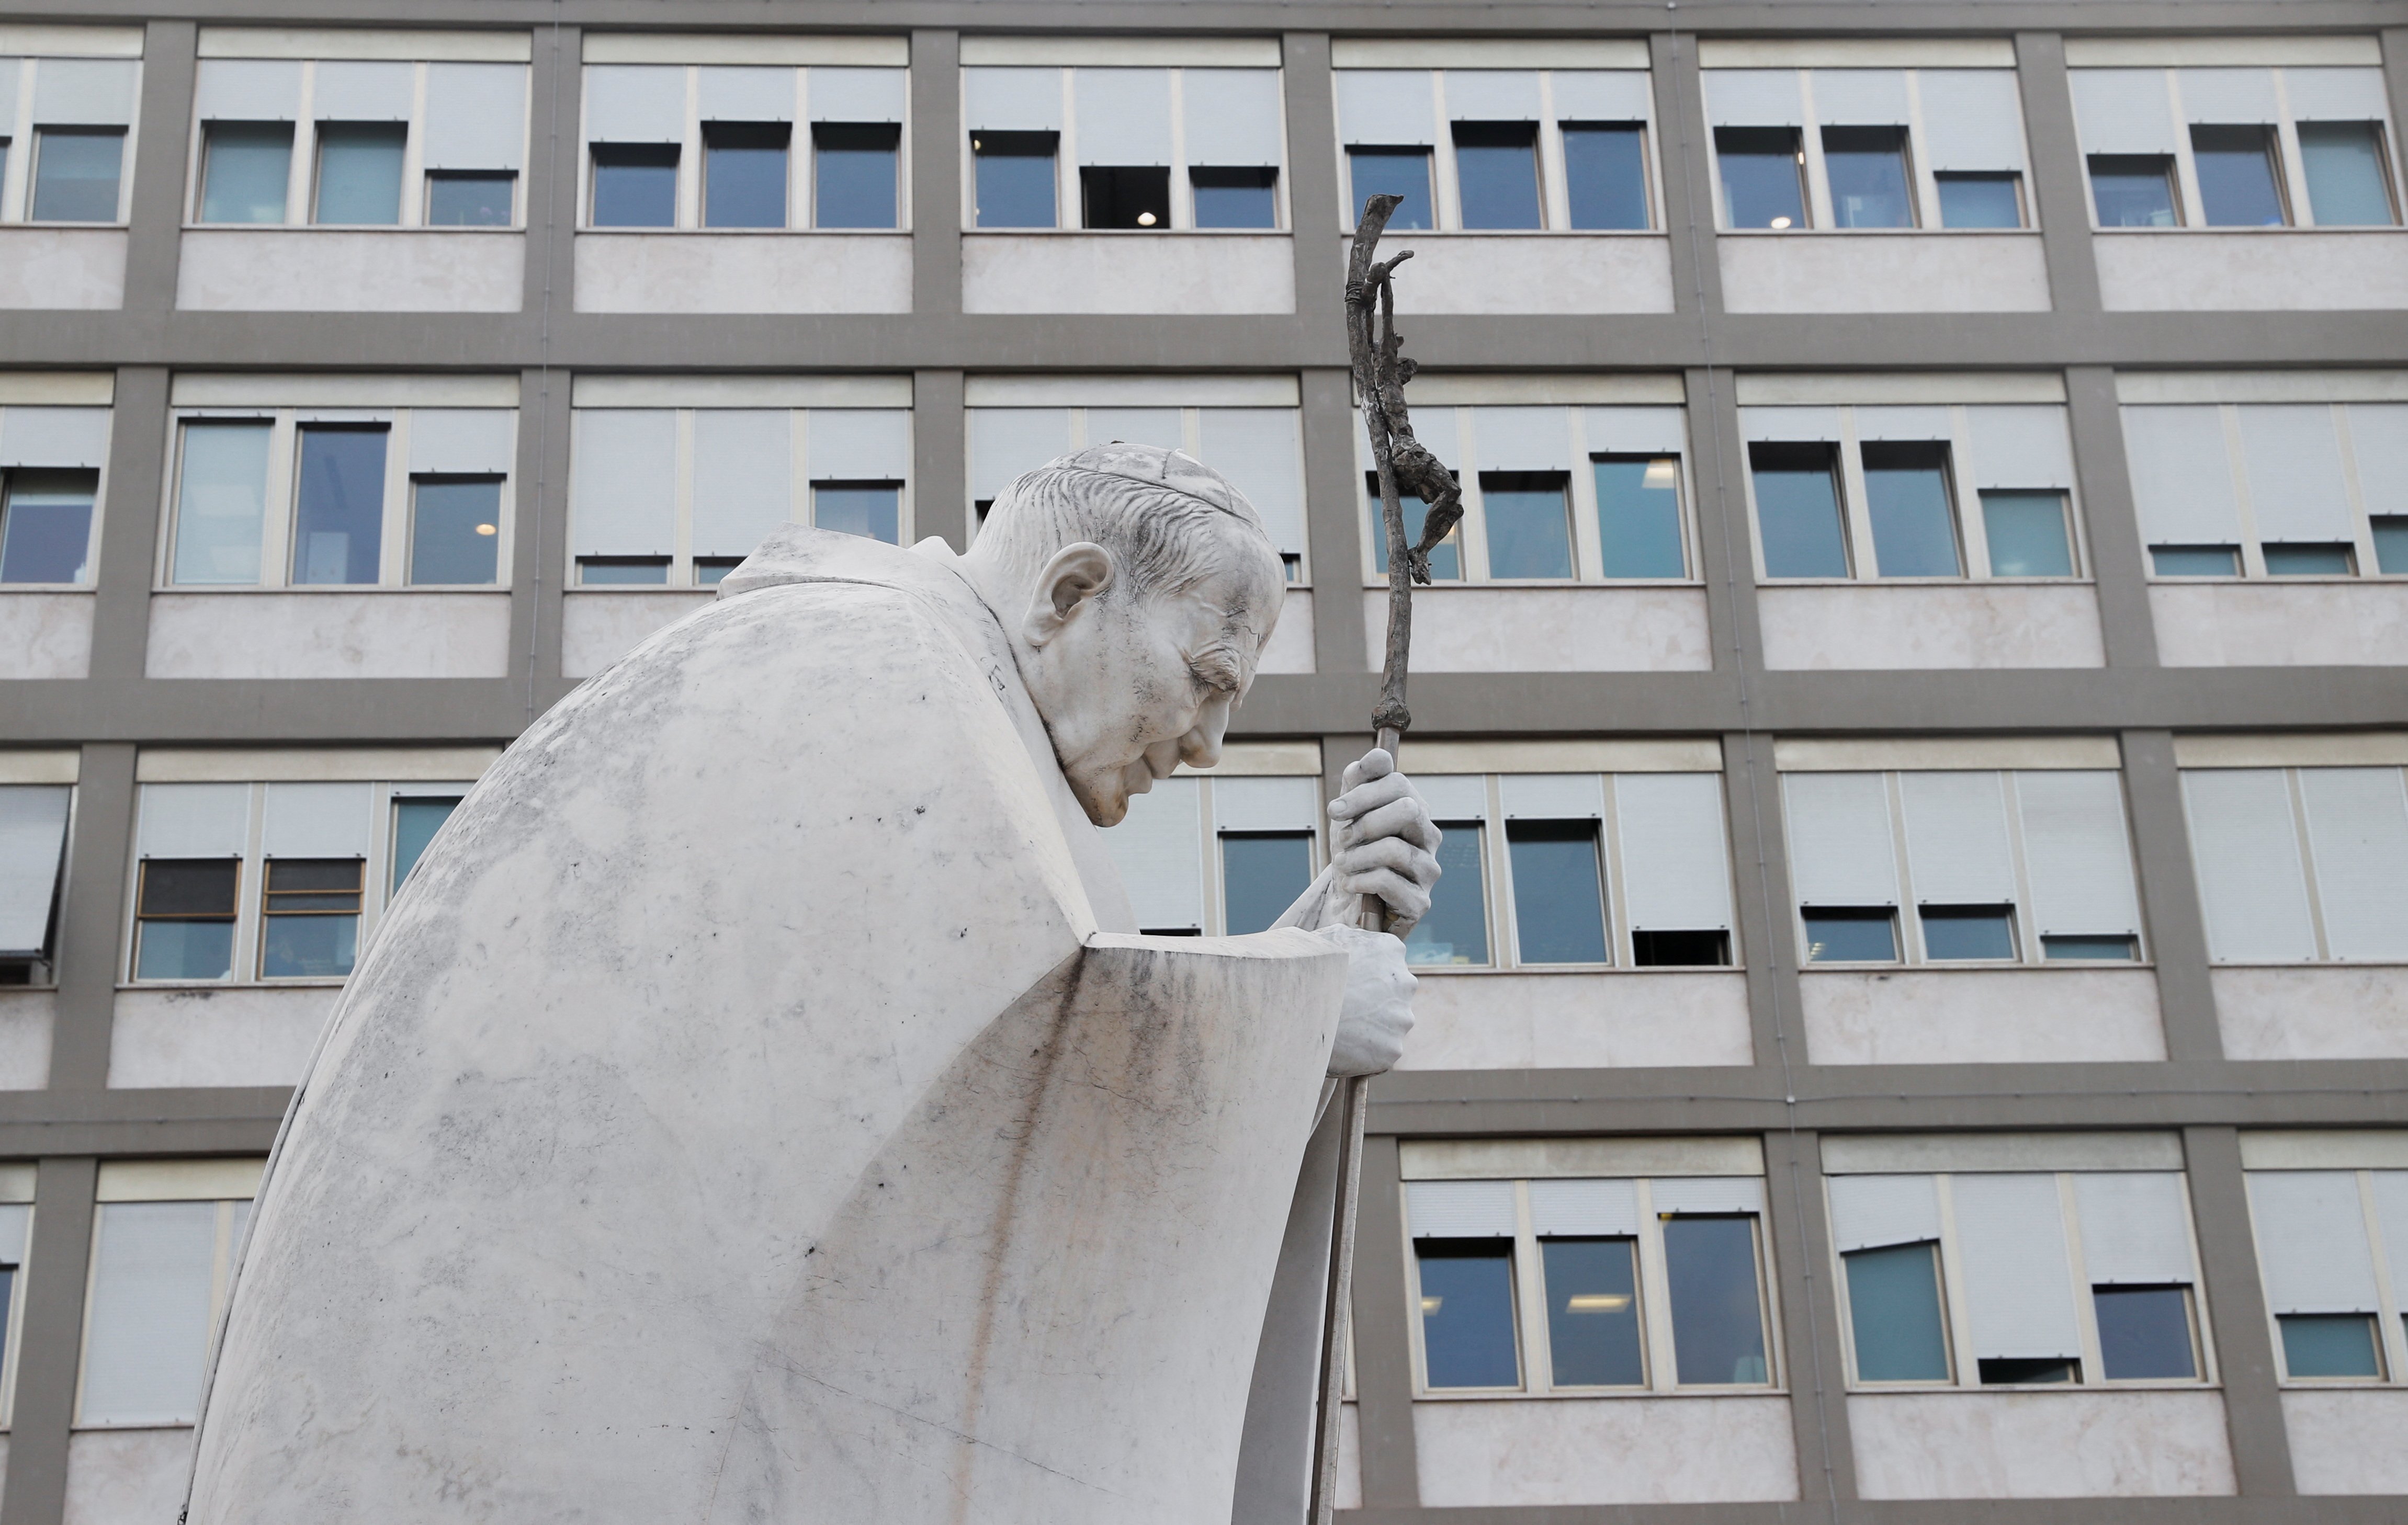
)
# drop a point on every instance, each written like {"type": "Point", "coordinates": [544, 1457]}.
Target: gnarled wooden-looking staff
{"type": "Point", "coordinates": [1381, 372]}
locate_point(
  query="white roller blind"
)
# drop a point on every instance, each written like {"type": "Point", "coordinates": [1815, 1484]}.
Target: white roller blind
{"type": "Point", "coordinates": [2312, 1241]}
{"type": "Point", "coordinates": [623, 471]}
{"type": "Point", "coordinates": [1440, 431]}
{"type": "Point", "coordinates": [1233, 117]}
{"type": "Point", "coordinates": [1601, 95]}
{"type": "Point", "coordinates": [33, 838]}
{"type": "Point", "coordinates": [1860, 97]}
{"type": "Point", "coordinates": [2076, 853]}
{"type": "Point", "coordinates": [1841, 851]}
{"type": "Point", "coordinates": [1972, 119]}
{"type": "Point", "coordinates": [1013, 100]}
{"type": "Point", "coordinates": [1007, 441]}
{"type": "Point", "coordinates": [2123, 111]}
{"type": "Point", "coordinates": [1707, 1194]}
{"type": "Point", "coordinates": [1136, 426]}
{"type": "Point", "coordinates": [2019, 1283]}
{"type": "Point", "coordinates": [2391, 1216]}
{"type": "Point", "coordinates": [1869, 1212]}
{"type": "Point", "coordinates": [1553, 796]}
{"type": "Point", "coordinates": [745, 94]}
{"type": "Point", "coordinates": [2293, 457]}
{"type": "Point", "coordinates": [2334, 94]}
{"type": "Point", "coordinates": [1256, 449]}
{"type": "Point", "coordinates": [1904, 423]}
{"type": "Point", "coordinates": [153, 1263]}
{"type": "Point", "coordinates": [2357, 833]}
{"type": "Point", "coordinates": [316, 821]}
{"type": "Point", "coordinates": [15, 1219]}
{"type": "Point", "coordinates": [1754, 98]}
{"type": "Point", "coordinates": [2378, 438]}
{"type": "Point", "coordinates": [743, 477]}
{"type": "Point", "coordinates": [857, 94]}
{"type": "Point", "coordinates": [1492, 95]}
{"type": "Point", "coordinates": [1265, 805]}
{"type": "Point", "coordinates": [1454, 796]}
{"type": "Point", "coordinates": [2134, 1231]}
{"type": "Point", "coordinates": [1385, 107]}
{"type": "Point", "coordinates": [634, 103]}
{"type": "Point", "coordinates": [1460, 1210]}
{"type": "Point", "coordinates": [54, 436]}
{"type": "Point", "coordinates": [1123, 115]}
{"type": "Point", "coordinates": [1675, 871]}
{"type": "Point", "coordinates": [354, 90]}
{"type": "Point", "coordinates": [1637, 431]}
{"type": "Point", "coordinates": [476, 116]}
{"type": "Point", "coordinates": [2247, 858]}
{"type": "Point", "coordinates": [2228, 95]}
{"type": "Point", "coordinates": [195, 820]}
{"type": "Point", "coordinates": [2182, 476]}
{"type": "Point", "coordinates": [1160, 848]}
{"type": "Point", "coordinates": [1521, 439]}
{"type": "Point", "coordinates": [1583, 1209]}
{"type": "Point", "coordinates": [861, 444]}
{"type": "Point", "coordinates": [477, 441]}
{"type": "Point", "coordinates": [1956, 851]}
{"type": "Point", "coordinates": [84, 91]}
{"type": "Point", "coordinates": [1798, 425]}
{"type": "Point", "coordinates": [2020, 445]}
{"type": "Point", "coordinates": [247, 90]}
{"type": "Point", "coordinates": [10, 71]}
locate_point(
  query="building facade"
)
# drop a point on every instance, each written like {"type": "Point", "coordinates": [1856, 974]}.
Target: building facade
{"type": "Point", "coordinates": [1915, 1024]}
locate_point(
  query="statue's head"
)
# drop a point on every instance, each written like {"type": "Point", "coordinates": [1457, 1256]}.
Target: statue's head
{"type": "Point", "coordinates": [1138, 587]}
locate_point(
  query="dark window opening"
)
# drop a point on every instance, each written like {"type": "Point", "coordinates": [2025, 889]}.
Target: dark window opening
{"type": "Point", "coordinates": [744, 173]}
{"type": "Point", "coordinates": [2239, 186]}
{"type": "Point", "coordinates": [1558, 892]}
{"type": "Point", "coordinates": [2029, 1371]}
{"type": "Point", "coordinates": [1496, 174]}
{"type": "Point", "coordinates": [635, 185]}
{"type": "Point", "coordinates": [1680, 949]}
{"type": "Point", "coordinates": [608, 570]}
{"type": "Point", "coordinates": [1016, 178]}
{"type": "Point", "coordinates": [1763, 174]}
{"type": "Point", "coordinates": [853, 176]}
{"type": "Point", "coordinates": [46, 525]}
{"type": "Point", "coordinates": [2133, 190]}
{"type": "Point", "coordinates": [1593, 1312]}
{"type": "Point", "coordinates": [2069, 950]}
{"type": "Point", "coordinates": [1235, 198]}
{"type": "Point", "coordinates": [1798, 510]}
{"type": "Point", "coordinates": [1866, 167]}
{"type": "Point", "coordinates": [1131, 196]}
{"type": "Point", "coordinates": [455, 530]}
{"type": "Point", "coordinates": [1605, 174]}
{"type": "Point", "coordinates": [2144, 1334]}
{"type": "Point", "coordinates": [2309, 561]}
{"type": "Point", "coordinates": [1527, 515]}
{"type": "Point", "coordinates": [1468, 1313]}
{"type": "Point", "coordinates": [1396, 172]}
{"type": "Point", "coordinates": [1912, 516]}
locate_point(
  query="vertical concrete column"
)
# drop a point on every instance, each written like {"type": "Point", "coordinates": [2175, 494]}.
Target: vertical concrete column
{"type": "Point", "coordinates": [1799, 1243]}
{"type": "Point", "coordinates": [935, 172]}
{"type": "Point", "coordinates": [129, 525]}
{"type": "Point", "coordinates": [2060, 196]}
{"type": "Point", "coordinates": [1384, 1357]}
{"type": "Point", "coordinates": [161, 141]}
{"type": "Point", "coordinates": [539, 557]}
{"type": "Point", "coordinates": [1688, 179]}
{"type": "Point", "coordinates": [1768, 938]}
{"type": "Point", "coordinates": [1333, 522]}
{"type": "Point", "coordinates": [1725, 546]}
{"type": "Point", "coordinates": [2394, 69]}
{"type": "Point", "coordinates": [556, 80]}
{"type": "Point", "coordinates": [939, 458]}
{"type": "Point", "coordinates": [2120, 563]}
{"type": "Point", "coordinates": [2170, 898]}
{"type": "Point", "coordinates": [52, 1345]}
{"type": "Point", "coordinates": [1312, 185]}
{"type": "Point", "coordinates": [2236, 1306]}
{"type": "Point", "coordinates": [91, 927]}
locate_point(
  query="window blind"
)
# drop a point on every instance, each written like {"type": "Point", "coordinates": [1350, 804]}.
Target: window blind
{"type": "Point", "coordinates": [476, 116]}
{"type": "Point", "coordinates": [1233, 117]}
{"type": "Point", "coordinates": [1637, 431]}
{"type": "Point", "coordinates": [1385, 107]}
{"type": "Point", "coordinates": [1956, 849]}
{"type": "Point", "coordinates": [2391, 1216]}
{"type": "Point", "coordinates": [1754, 98]}
{"type": "Point", "coordinates": [2293, 458]}
{"type": "Point", "coordinates": [353, 90]}
{"type": "Point", "coordinates": [743, 477]}
{"type": "Point", "coordinates": [1265, 805]}
{"type": "Point", "coordinates": [1522, 439]}
{"type": "Point", "coordinates": [2334, 94]}
{"type": "Point", "coordinates": [861, 444]}
{"type": "Point", "coordinates": [745, 94]}
{"type": "Point", "coordinates": [1256, 449]}
{"type": "Point", "coordinates": [1013, 100]}
{"type": "Point", "coordinates": [1575, 1210]}
{"type": "Point", "coordinates": [1860, 97]}
{"type": "Point", "coordinates": [1137, 426]}
{"type": "Point", "coordinates": [195, 820]}
{"type": "Point", "coordinates": [1840, 844]}
{"type": "Point", "coordinates": [623, 469]}
{"type": "Point", "coordinates": [2123, 111]}
{"type": "Point", "coordinates": [2020, 445]}
{"type": "Point", "coordinates": [2134, 1231]}
{"type": "Point", "coordinates": [1708, 1194]}
{"type": "Point", "coordinates": [1794, 425]}
{"type": "Point", "coordinates": [316, 821]}
{"type": "Point", "coordinates": [9, 71]}
{"type": "Point", "coordinates": [148, 1330]}
{"type": "Point", "coordinates": [1005, 442]}
{"type": "Point", "coordinates": [1492, 96]}
{"type": "Point", "coordinates": [84, 91]}
{"type": "Point", "coordinates": [32, 840]}
{"type": "Point", "coordinates": [2357, 833]}
{"type": "Point", "coordinates": [1460, 1210]}
{"type": "Point", "coordinates": [247, 90]}
{"type": "Point", "coordinates": [1601, 94]}
{"type": "Point", "coordinates": [2247, 855]}
{"type": "Point", "coordinates": [634, 103]}
{"type": "Point", "coordinates": [1454, 796]}
{"type": "Point", "coordinates": [2182, 479]}
{"type": "Point", "coordinates": [1553, 796]}
{"type": "Point", "coordinates": [1972, 119]}
{"type": "Point", "coordinates": [1903, 423]}
{"type": "Point", "coordinates": [2227, 95]}
{"type": "Point", "coordinates": [2378, 440]}
{"type": "Point", "coordinates": [54, 436]}
{"type": "Point", "coordinates": [2076, 854]}
{"type": "Point", "coordinates": [470, 440]}
{"type": "Point", "coordinates": [856, 95]}
{"type": "Point", "coordinates": [2019, 1283]}
{"type": "Point", "coordinates": [1160, 848]}
{"type": "Point", "coordinates": [1123, 115]}
{"type": "Point", "coordinates": [1869, 1212]}
{"type": "Point", "coordinates": [1675, 868]}
{"type": "Point", "coordinates": [2312, 1241]}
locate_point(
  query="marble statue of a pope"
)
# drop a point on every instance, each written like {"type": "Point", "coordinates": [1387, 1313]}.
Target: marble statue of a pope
{"type": "Point", "coordinates": [760, 1106]}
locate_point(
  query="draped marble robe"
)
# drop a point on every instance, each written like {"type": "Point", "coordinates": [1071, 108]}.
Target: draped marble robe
{"type": "Point", "coordinates": [757, 1109]}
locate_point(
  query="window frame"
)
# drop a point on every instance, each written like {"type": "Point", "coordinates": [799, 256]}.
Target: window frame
{"type": "Point", "coordinates": [2250, 554]}
{"type": "Point", "coordinates": [2311, 877]}
{"type": "Point", "coordinates": [1658, 1359]}
{"type": "Point", "coordinates": [2391, 1332]}
{"type": "Point", "coordinates": [1955, 1309]}
{"type": "Point", "coordinates": [12, 1325]}
{"type": "Point", "coordinates": [1211, 835]}
{"type": "Point", "coordinates": [93, 537]}
{"type": "Point", "coordinates": [19, 140]}
{"type": "Point", "coordinates": [231, 1221]}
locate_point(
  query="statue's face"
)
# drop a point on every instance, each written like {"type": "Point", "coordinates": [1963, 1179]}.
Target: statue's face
{"type": "Point", "coordinates": [1136, 687]}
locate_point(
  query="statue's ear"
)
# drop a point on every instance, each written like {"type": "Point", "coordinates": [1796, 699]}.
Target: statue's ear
{"type": "Point", "coordinates": [1075, 573]}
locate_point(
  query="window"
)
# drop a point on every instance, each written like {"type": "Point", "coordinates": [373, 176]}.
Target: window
{"type": "Point", "coordinates": [2336, 1319]}
{"type": "Point", "coordinates": [2236, 148]}
{"type": "Point", "coordinates": [1254, 440]}
{"type": "Point", "coordinates": [76, 172]}
{"type": "Point", "coordinates": [1521, 150]}
{"type": "Point", "coordinates": [2270, 489]}
{"type": "Point", "coordinates": [679, 496]}
{"type": "Point", "coordinates": [1977, 1277]}
{"type": "Point", "coordinates": [16, 1240]}
{"type": "Point", "coordinates": [2300, 865]}
{"type": "Point", "coordinates": [1218, 856]}
{"type": "Point", "coordinates": [1967, 895]}
{"type": "Point", "coordinates": [744, 173]}
{"type": "Point", "coordinates": [364, 142]}
{"type": "Point", "coordinates": [46, 518]}
{"type": "Point", "coordinates": [635, 185]}
{"type": "Point", "coordinates": [1528, 513]}
{"type": "Point", "coordinates": [1880, 148]}
{"type": "Point", "coordinates": [1589, 1285]}
{"type": "Point", "coordinates": [1111, 128]}
{"type": "Point", "coordinates": [63, 125]}
{"type": "Point", "coordinates": [1982, 491]}
{"type": "Point", "coordinates": [32, 859]}
{"type": "Point", "coordinates": [853, 174]}
{"type": "Point", "coordinates": [292, 496]}
{"type": "Point", "coordinates": [271, 881]}
{"type": "Point", "coordinates": [164, 1239]}
{"type": "Point", "coordinates": [1577, 871]}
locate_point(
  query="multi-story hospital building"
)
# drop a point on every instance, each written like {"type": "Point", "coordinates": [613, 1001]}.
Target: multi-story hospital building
{"type": "Point", "coordinates": [1915, 1023]}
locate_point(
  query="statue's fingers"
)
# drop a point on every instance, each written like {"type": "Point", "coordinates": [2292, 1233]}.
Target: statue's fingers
{"type": "Point", "coordinates": [1407, 818]}
{"type": "Point", "coordinates": [1364, 798]}
{"type": "Point", "coordinates": [1407, 901]}
{"type": "Point", "coordinates": [1375, 763]}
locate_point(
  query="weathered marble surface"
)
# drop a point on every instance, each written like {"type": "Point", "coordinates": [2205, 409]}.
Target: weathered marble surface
{"type": "Point", "coordinates": [2310, 1011]}
{"type": "Point", "coordinates": [329, 634]}
{"type": "Point", "coordinates": [346, 270]}
{"type": "Point", "coordinates": [229, 1036]}
{"type": "Point", "coordinates": [1512, 1021]}
{"type": "Point", "coordinates": [1865, 271]}
{"type": "Point", "coordinates": [45, 635]}
{"type": "Point", "coordinates": [2059, 1445]}
{"type": "Point", "coordinates": [1981, 1016]}
{"type": "Point", "coordinates": [2347, 1441]}
{"type": "Point", "coordinates": [1534, 1451]}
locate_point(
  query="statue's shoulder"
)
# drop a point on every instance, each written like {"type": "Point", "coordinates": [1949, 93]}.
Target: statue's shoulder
{"type": "Point", "coordinates": [796, 554]}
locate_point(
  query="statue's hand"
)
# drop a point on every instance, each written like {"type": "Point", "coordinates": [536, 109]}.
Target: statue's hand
{"type": "Point", "coordinates": [1379, 1009]}
{"type": "Point", "coordinates": [1384, 844]}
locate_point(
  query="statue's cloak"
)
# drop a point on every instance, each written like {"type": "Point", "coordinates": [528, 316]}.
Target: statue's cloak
{"type": "Point", "coordinates": [746, 1113]}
